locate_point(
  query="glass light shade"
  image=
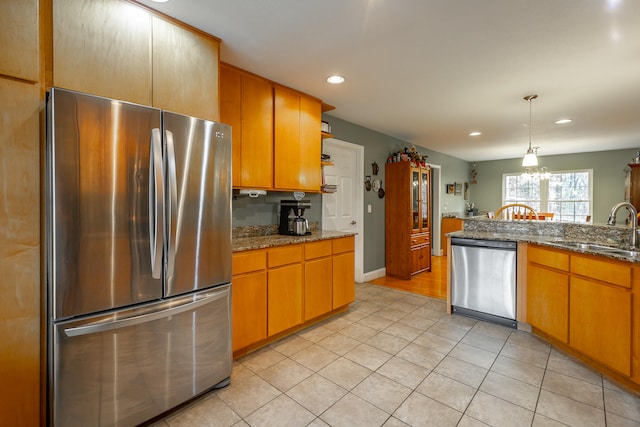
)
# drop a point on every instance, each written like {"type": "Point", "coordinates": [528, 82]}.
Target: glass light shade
{"type": "Point", "coordinates": [530, 159]}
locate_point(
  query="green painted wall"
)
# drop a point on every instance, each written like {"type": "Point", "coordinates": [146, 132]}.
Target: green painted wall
{"type": "Point", "coordinates": [377, 148]}
{"type": "Point", "coordinates": [608, 178]}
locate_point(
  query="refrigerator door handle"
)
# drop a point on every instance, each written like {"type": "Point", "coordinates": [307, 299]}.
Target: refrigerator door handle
{"type": "Point", "coordinates": [103, 326]}
{"type": "Point", "coordinates": [156, 203]}
{"type": "Point", "coordinates": [172, 205]}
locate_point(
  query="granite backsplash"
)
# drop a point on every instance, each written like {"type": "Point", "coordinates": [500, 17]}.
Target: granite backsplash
{"type": "Point", "coordinates": [575, 232]}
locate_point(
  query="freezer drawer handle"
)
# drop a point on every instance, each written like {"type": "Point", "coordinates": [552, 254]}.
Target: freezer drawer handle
{"type": "Point", "coordinates": [103, 326]}
{"type": "Point", "coordinates": [156, 204]}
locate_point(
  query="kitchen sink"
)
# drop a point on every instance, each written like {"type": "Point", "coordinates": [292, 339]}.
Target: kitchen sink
{"type": "Point", "coordinates": [600, 248]}
{"type": "Point", "coordinates": [625, 252]}
{"type": "Point", "coordinates": [591, 246]}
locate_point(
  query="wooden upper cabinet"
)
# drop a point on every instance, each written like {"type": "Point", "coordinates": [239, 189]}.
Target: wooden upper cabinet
{"type": "Point", "coordinates": [185, 71]}
{"type": "Point", "coordinates": [297, 142]}
{"type": "Point", "coordinates": [19, 39]}
{"type": "Point", "coordinates": [102, 48]}
{"type": "Point", "coordinates": [246, 103]}
{"type": "Point", "coordinates": [116, 49]}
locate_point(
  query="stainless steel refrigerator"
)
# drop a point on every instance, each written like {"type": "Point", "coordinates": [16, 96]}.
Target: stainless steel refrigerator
{"type": "Point", "coordinates": [138, 252]}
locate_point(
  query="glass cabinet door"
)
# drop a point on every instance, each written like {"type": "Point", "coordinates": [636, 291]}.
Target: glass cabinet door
{"type": "Point", "coordinates": [424, 198]}
{"type": "Point", "coordinates": [415, 199]}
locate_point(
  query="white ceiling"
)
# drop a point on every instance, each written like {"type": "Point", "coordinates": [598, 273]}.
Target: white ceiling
{"type": "Point", "coordinates": [431, 71]}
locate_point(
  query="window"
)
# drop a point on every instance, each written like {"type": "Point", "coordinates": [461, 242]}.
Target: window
{"type": "Point", "coordinates": [566, 194]}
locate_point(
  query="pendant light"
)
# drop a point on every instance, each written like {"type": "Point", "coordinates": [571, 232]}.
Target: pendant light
{"type": "Point", "coordinates": [530, 159]}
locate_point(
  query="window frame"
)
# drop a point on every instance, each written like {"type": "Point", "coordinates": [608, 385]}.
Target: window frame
{"type": "Point", "coordinates": [544, 201]}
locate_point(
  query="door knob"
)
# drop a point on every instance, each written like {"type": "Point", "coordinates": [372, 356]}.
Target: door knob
{"type": "Point", "coordinates": [353, 222]}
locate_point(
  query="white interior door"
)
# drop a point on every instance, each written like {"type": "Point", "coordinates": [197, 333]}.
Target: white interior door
{"type": "Point", "coordinates": [343, 210]}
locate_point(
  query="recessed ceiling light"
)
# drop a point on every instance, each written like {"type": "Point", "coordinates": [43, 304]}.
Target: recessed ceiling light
{"type": "Point", "coordinates": [475, 134]}
{"type": "Point", "coordinates": [563, 121]}
{"type": "Point", "coordinates": [335, 79]}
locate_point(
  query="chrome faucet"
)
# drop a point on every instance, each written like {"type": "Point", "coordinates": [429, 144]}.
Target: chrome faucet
{"type": "Point", "coordinates": [634, 219]}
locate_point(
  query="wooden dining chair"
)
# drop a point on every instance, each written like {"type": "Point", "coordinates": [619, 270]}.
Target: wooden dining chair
{"type": "Point", "coordinates": [516, 211]}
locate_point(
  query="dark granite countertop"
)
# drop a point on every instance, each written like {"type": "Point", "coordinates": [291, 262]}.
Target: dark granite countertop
{"type": "Point", "coordinates": [559, 242]}
{"type": "Point", "coordinates": [261, 242]}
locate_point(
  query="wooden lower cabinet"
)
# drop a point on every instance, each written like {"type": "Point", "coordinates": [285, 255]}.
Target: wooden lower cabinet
{"type": "Point", "coordinates": [448, 225]}
{"type": "Point", "coordinates": [600, 319]}
{"type": "Point", "coordinates": [284, 298]}
{"type": "Point", "coordinates": [249, 313]}
{"type": "Point", "coordinates": [420, 258]}
{"type": "Point", "coordinates": [249, 298]}
{"type": "Point", "coordinates": [343, 272]}
{"type": "Point", "coordinates": [277, 289]}
{"type": "Point", "coordinates": [589, 303]}
{"type": "Point", "coordinates": [318, 279]}
{"type": "Point", "coordinates": [548, 301]}
{"type": "Point", "coordinates": [343, 284]}
{"type": "Point", "coordinates": [318, 292]}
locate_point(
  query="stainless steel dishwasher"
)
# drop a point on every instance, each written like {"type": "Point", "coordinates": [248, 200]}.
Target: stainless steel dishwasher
{"type": "Point", "coordinates": [483, 279]}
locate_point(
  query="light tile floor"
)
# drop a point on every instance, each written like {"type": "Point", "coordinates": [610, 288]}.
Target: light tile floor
{"type": "Point", "coordinates": [397, 359]}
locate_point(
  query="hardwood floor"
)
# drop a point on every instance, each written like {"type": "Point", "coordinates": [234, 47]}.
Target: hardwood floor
{"type": "Point", "coordinates": [432, 283]}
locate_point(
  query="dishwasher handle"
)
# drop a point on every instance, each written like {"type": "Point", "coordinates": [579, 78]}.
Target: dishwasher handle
{"type": "Point", "coordinates": [481, 243]}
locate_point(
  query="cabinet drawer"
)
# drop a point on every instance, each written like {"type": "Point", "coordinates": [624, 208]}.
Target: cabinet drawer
{"type": "Point", "coordinates": [317, 249]}
{"type": "Point", "coordinates": [284, 255]}
{"type": "Point", "coordinates": [601, 269]}
{"type": "Point", "coordinates": [549, 257]}
{"type": "Point", "coordinates": [246, 261]}
{"type": "Point", "coordinates": [420, 239]}
{"type": "Point", "coordinates": [344, 244]}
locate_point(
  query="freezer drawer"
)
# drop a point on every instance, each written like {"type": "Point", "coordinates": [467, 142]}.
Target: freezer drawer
{"type": "Point", "coordinates": [126, 367]}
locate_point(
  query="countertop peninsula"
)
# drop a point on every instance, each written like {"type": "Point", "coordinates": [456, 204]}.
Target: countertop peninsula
{"type": "Point", "coordinates": [554, 234]}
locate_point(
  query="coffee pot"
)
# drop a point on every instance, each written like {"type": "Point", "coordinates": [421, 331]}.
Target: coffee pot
{"type": "Point", "coordinates": [292, 220]}
{"type": "Point", "coordinates": [300, 226]}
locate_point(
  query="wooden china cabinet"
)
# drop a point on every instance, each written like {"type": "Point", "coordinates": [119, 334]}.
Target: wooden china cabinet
{"type": "Point", "coordinates": [407, 219]}
{"type": "Point", "coordinates": [633, 185]}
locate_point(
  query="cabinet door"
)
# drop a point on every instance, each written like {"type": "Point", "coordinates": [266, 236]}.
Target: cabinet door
{"type": "Point", "coordinates": [318, 288]}
{"type": "Point", "coordinates": [548, 301]}
{"type": "Point", "coordinates": [343, 279]}
{"type": "Point", "coordinates": [310, 175]}
{"type": "Point", "coordinates": [20, 253]}
{"type": "Point", "coordinates": [103, 48]}
{"type": "Point", "coordinates": [415, 200]}
{"type": "Point", "coordinates": [19, 39]}
{"type": "Point", "coordinates": [600, 323]}
{"type": "Point", "coordinates": [231, 114]}
{"type": "Point", "coordinates": [246, 103]}
{"type": "Point", "coordinates": [420, 259]}
{"type": "Point", "coordinates": [296, 147]}
{"type": "Point", "coordinates": [256, 164]}
{"type": "Point", "coordinates": [284, 298]}
{"type": "Point", "coordinates": [185, 71]}
{"type": "Point", "coordinates": [425, 199]}
{"type": "Point", "coordinates": [249, 309]}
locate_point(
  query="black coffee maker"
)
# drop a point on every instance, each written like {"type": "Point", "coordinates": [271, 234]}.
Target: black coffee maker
{"type": "Point", "coordinates": [292, 220]}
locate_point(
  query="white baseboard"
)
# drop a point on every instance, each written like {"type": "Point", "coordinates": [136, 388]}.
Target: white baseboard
{"type": "Point", "coordinates": [370, 275]}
